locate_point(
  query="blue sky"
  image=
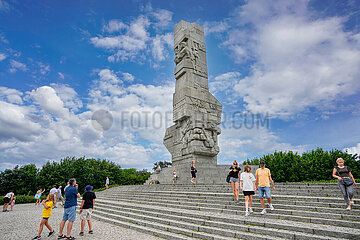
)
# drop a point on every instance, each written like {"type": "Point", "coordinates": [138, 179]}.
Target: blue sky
{"type": "Point", "coordinates": [295, 63]}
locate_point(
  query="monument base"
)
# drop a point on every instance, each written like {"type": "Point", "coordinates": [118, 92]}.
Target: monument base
{"type": "Point", "coordinates": [206, 174]}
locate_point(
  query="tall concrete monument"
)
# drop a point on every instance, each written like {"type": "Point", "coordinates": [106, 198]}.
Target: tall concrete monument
{"type": "Point", "coordinates": [196, 112]}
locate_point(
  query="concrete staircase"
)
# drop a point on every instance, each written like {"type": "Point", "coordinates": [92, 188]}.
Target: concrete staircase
{"type": "Point", "coordinates": [302, 211]}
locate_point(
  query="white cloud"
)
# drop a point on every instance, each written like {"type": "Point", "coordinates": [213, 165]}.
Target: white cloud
{"type": "Point", "coordinates": [15, 66]}
{"type": "Point", "coordinates": [298, 61]}
{"type": "Point", "coordinates": [159, 43]}
{"type": "Point", "coordinates": [163, 17]}
{"type": "Point", "coordinates": [2, 57]}
{"type": "Point", "coordinates": [224, 83]}
{"type": "Point", "coordinates": [44, 69]}
{"type": "Point", "coordinates": [11, 95]}
{"type": "Point", "coordinates": [49, 101]}
{"type": "Point", "coordinates": [128, 77]}
{"type": "Point", "coordinates": [68, 96]}
{"type": "Point", "coordinates": [353, 150]}
{"type": "Point", "coordinates": [244, 142]}
{"type": "Point", "coordinates": [133, 42]}
{"type": "Point", "coordinates": [127, 45]}
{"type": "Point", "coordinates": [114, 25]}
{"type": "Point", "coordinates": [16, 124]}
{"type": "Point", "coordinates": [61, 75]}
{"type": "Point", "coordinates": [215, 27]}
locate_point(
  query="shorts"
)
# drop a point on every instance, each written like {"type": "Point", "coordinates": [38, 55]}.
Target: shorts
{"type": "Point", "coordinates": [248, 193]}
{"type": "Point", "coordinates": [193, 174]}
{"type": "Point", "coordinates": [86, 214]}
{"type": "Point", "coordinates": [265, 190]}
{"type": "Point", "coordinates": [6, 200]}
{"type": "Point", "coordinates": [234, 180]}
{"type": "Point", "coordinates": [45, 218]}
{"type": "Point", "coordinates": [69, 214]}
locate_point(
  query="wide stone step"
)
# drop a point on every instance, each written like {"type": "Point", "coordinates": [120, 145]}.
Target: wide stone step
{"type": "Point", "coordinates": [223, 195]}
{"type": "Point", "coordinates": [230, 200]}
{"type": "Point", "coordinates": [180, 229]}
{"type": "Point", "coordinates": [278, 213]}
{"type": "Point", "coordinates": [240, 207]}
{"type": "Point", "coordinates": [285, 229]}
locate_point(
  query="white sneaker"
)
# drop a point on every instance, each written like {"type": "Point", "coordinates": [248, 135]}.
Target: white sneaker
{"type": "Point", "coordinates": [271, 207]}
{"type": "Point", "coordinates": [263, 211]}
{"type": "Point", "coordinates": [247, 213]}
{"type": "Point", "coordinates": [251, 210]}
{"type": "Point", "coordinates": [352, 202]}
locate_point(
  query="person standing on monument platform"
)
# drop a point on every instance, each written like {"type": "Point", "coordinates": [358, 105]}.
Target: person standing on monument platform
{"type": "Point", "coordinates": [263, 179]}
{"type": "Point", "coordinates": [234, 179]}
{"type": "Point", "coordinates": [193, 171]}
{"type": "Point", "coordinates": [107, 182]}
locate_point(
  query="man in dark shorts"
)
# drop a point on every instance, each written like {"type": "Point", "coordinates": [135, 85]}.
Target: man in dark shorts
{"type": "Point", "coordinates": [86, 209]}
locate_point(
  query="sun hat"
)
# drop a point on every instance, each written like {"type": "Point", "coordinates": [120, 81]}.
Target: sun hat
{"type": "Point", "coordinates": [88, 188]}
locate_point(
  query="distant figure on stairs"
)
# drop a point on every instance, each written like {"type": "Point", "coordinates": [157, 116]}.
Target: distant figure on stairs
{"type": "Point", "coordinates": [346, 182]}
{"type": "Point", "coordinates": [234, 173]}
{"type": "Point", "coordinates": [263, 179]}
{"type": "Point", "coordinates": [175, 176]}
{"type": "Point", "coordinates": [193, 172]}
{"type": "Point", "coordinates": [158, 169]}
{"type": "Point", "coordinates": [107, 183]}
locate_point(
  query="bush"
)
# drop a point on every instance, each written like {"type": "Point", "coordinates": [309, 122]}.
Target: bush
{"type": "Point", "coordinates": [23, 199]}
{"type": "Point", "coordinates": [313, 166]}
{"type": "Point", "coordinates": [28, 179]}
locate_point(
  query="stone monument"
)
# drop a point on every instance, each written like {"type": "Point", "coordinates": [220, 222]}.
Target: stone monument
{"type": "Point", "coordinates": [196, 113]}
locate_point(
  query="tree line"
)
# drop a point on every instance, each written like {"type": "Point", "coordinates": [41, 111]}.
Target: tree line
{"type": "Point", "coordinates": [315, 165]}
{"type": "Point", "coordinates": [27, 179]}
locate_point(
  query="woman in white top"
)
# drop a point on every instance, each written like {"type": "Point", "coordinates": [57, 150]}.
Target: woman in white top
{"type": "Point", "coordinates": [247, 185]}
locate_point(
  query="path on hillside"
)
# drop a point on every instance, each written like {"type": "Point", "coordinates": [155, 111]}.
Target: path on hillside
{"type": "Point", "coordinates": [23, 223]}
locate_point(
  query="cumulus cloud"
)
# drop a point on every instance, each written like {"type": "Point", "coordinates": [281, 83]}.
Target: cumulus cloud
{"type": "Point", "coordinates": [51, 122]}
{"type": "Point", "coordinates": [133, 41]}
{"type": "Point", "coordinates": [15, 66]}
{"type": "Point", "coordinates": [247, 142]}
{"type": "Point", "coordinates": [353, 150]}
{"type": "Point", "coordinates": [297, 61]}
{"type": "Point", "coordinates": [49, 101]}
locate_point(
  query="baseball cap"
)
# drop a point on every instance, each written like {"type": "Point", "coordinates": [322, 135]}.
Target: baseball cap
{"type": "Point", "coordinates": [262, 163]}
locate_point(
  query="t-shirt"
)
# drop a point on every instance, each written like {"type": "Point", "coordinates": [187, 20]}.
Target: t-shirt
{"type": "Point", "coordinates": [263, 176]}
{"type": "Point", "coordinates": [53, 191]}
{"type": "Point", "coordinates": [70, 196]}
{"type": "Point", "coordinates": [88, 197]}
{"type": "Point", "coordinates": [343, 172]}
{"type": "Point", "coordinates": [59, 193]}
{"type": "Point", "coordinates": [234, 172]}
{"type": "Point", "coordinates": [47, 212]}
{"type": "Point", "coordinates": [9, 195]}
{"type": "Point", "coordinates": [248, 181]}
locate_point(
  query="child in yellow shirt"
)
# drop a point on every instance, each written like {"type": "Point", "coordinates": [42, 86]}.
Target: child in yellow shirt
{"type": "Point", "coordinates": [48, 204]}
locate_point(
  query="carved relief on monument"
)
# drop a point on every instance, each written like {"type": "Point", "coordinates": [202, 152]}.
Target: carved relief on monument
{"type": "Point", "coordinates": [189, 49]}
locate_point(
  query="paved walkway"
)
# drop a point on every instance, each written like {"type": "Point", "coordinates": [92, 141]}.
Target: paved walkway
{"type": "Point", "coordinates": [23, 223]}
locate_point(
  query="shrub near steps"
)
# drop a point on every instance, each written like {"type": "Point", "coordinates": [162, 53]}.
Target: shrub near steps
{"type": "Point", "coordinates": [209, 212]}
